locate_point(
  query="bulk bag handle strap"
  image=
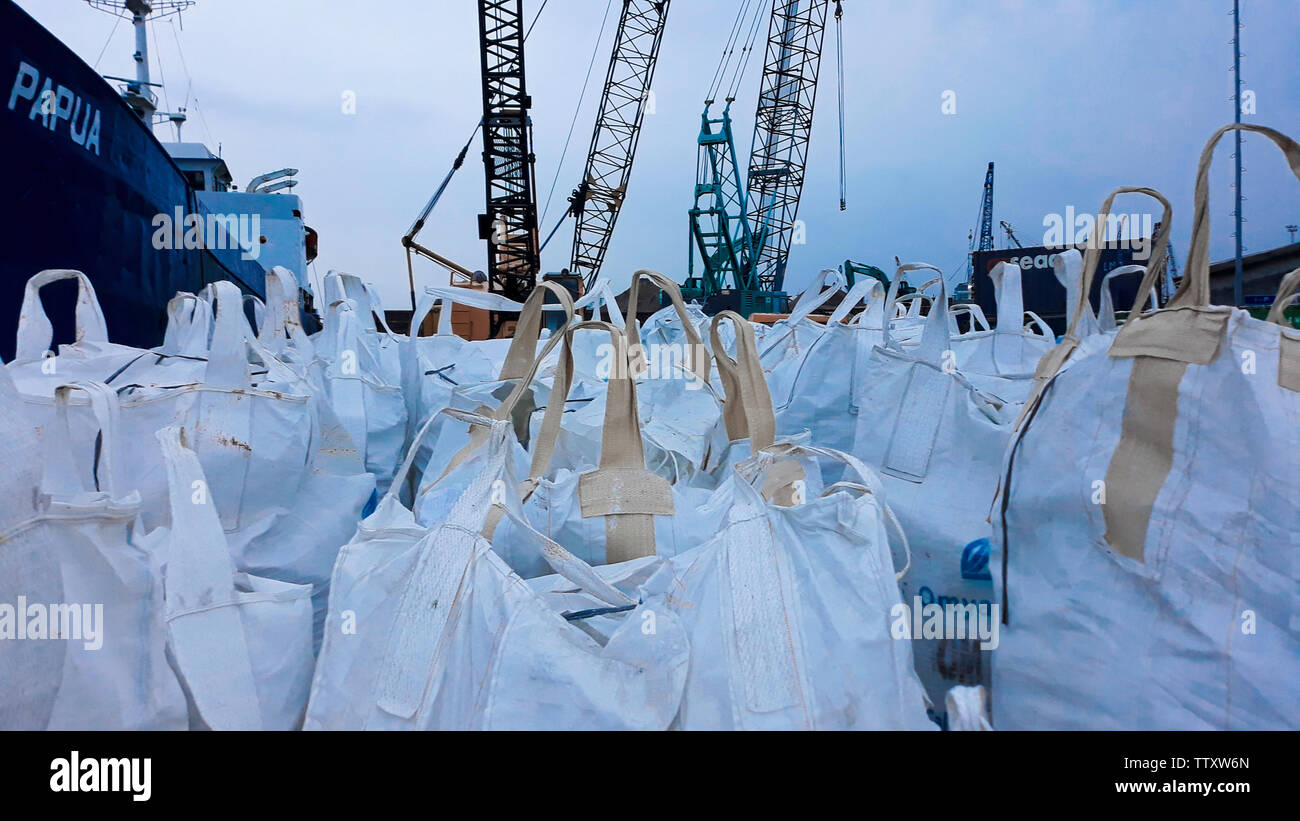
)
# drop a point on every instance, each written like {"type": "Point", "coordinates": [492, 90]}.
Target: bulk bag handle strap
{"type": "Point", "coordinates": [747, 409]}
{"type": "Point", "coordinates": [867, 291]}
{"type": "Point", "coordinates": [523, 347]}
{"type": "Point", "coordinates": [891, 298]}
{"type": "Point", "coordinates": [698, 365]}
{"type": "Point", "coordinates": [60, 474]}
{"type": "Point", "coordinates": [1286, 295]}
{"type": "Point", "coordinates": [1107, 319]}
{"type": "Point", "coordinates": [826, 284]}
{"type": "Point", "coordinates": [1195, 286]}
{"type": "Point", "coordinates": [35, 333]}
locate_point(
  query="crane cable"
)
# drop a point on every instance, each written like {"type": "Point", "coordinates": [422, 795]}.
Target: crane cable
{"type": "Point", "coordinates": [839, 57]}
{"type": "Point", "coordinates": [455, 166]}
{"type": "Point", "coordinates": [535, 16]}
{"type": "Point", "coordinates": [577, 109]}
{"type": "Point", "coordinates": [728, 49]}
{"type": "Point", "coordinates": [745, 53]}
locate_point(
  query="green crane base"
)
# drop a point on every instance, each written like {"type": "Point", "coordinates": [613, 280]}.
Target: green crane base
{"type": "Point", "coordinates": [743, 302]}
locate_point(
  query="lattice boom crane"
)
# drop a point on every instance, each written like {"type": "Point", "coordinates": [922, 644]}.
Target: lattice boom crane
{"type": "Point", "coordinates": [626, 96]}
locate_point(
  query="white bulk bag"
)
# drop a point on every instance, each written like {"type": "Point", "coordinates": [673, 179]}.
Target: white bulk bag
{"type": "Point", "coordinates": [446, 371]}
{"type": "Point", "coordinates": [370, 409]}
{"type": "Point", "coordinates": [678, 407]}
{"type": "Point", "coordinates": [241, 644]}
{"type": "Point", "coordinates": [432, 366]}
{"type": "Point", "coordinates": [1148, 519]}
{"type": "Point", "coordinates": [71, 566]}
{"type": "Point", "coordinates": [816, 392]}
{"type": "Point", "coordinates": [788, 610]}
{"type": "Point", "coordinates": [279, 322]}
{"type": "Point", "coordinates": [437, 632]}
{"type": "Point", "coordinates": [254, 442]}
{"type": "Point", "coordinates": [22, 454]}
{"type": "Point", "coordinates": [791, 338]}
{"type": "Point", "coordinates": [260, 438]}
{"type": "Point", "coordinates": [1107, 316]}
{"type": "Point", "coordinates": [297, 541]}
{"type": "Point", "coordinates": [384, 345]}
{"type": "Point", "coordinates": [301, 543]}
{"type": "Point", "coordinates": [669, 327]}
{"type": "Point", "coordinates": [937, 441]}
{"type": "Point", "coordinates": [189, 326]}
{"type": "Point", "coordinates": [89, 356]}
{"type": "Point", "coordinates": [788, 602]}
{"type": "Point", "coordinates": [1010, 349]}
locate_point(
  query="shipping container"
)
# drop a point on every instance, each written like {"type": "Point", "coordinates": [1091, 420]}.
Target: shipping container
{"type": "Point", "coordinates": [1044, 295]}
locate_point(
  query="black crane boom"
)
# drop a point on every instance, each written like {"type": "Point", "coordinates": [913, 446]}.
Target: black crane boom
{"type": "Point", "coordinates": [782, 129]}
{"type": "Point", "coordinates": [623, 102]}
{"type": "Point", "coordinates": [510, 224]}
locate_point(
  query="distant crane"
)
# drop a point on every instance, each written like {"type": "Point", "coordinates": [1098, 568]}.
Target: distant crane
{"type": "Point", "coordinates": [1011, 235]}
{"type": "Point", "coordinates": [985, 224]}
{"type": "Point", "coordinates": [742, 234]}
{"type": "Point", "coordinates": [986, 212]}
{"type": "Point", "coordinates": [1291, 229]}
{"type": "Point", "coordinates": [510, 222]}
{"type": "Point", "coordinates": [1171, 272]}
{"type": "Point", "coordinates": [599, 197]}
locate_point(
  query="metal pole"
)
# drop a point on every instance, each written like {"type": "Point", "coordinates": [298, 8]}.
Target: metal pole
{"type": "Point", "coordinates": [1236, 71]}
{"type": "Point", "coordinates": [139, 12]}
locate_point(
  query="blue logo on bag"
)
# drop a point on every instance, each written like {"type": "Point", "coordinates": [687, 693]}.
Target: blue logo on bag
{"type": "Point", "coordinates": [373, 502]}
{"type": "Point", "coordinates": [975, 561]}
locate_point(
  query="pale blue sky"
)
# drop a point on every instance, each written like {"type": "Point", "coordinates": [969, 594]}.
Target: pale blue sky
{"type": "Point", "coordinates": [1069, 98]}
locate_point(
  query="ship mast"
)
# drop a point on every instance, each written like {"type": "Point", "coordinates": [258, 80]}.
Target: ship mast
{"type": "Point", "coordinates": [138, 93]}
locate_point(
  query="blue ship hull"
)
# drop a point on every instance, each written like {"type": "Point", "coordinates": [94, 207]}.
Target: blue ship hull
{"type": "Point", "coordinates": [83, 178]}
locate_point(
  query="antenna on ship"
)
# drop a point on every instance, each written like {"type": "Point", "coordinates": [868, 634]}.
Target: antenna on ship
{"type": "Point", "coordinates": [138, 92]}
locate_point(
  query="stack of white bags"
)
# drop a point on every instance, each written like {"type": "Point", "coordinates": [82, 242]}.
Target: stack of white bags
{"type": "Point", "coordinates": [690, 522]}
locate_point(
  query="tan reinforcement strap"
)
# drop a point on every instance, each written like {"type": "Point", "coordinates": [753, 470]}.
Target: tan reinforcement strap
{"type": "Point", "coordinates": [1163, 344]}
{"type": "Point", "coordinates": [621, 489]}
{"type": "Point", "coordinates": [510, 408]}
{"type": "Point", "coordinates": [1092, 258]}
{"type": "Point", "coordinates": [747, 409]}
{"type": "Point", "coordinates": [697, 361]}
{"type": "Point", "coordinates": [523, 347]}
{"type": "Point", "coordinates": [1145, 453]}
{"type": "Point", "coordinates": [1193, 335]}
{"type": "Point", "coordinates": [1288, 365]}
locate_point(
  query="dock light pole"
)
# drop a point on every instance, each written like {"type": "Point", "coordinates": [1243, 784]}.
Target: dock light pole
{"type": "Point", "coordinates": [1236, 100]}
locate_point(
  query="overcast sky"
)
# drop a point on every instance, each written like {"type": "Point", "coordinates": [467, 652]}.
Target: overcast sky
{"type": "Point", "coordinates": [1069, 99]}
